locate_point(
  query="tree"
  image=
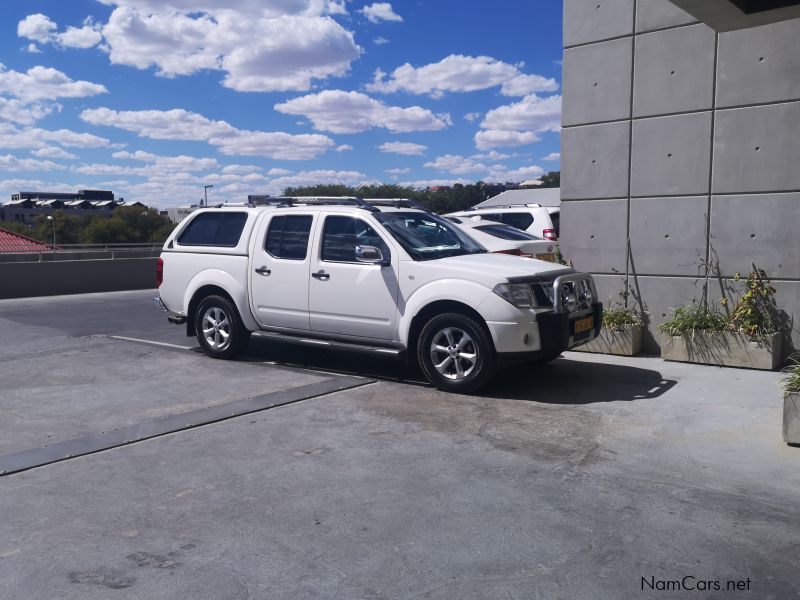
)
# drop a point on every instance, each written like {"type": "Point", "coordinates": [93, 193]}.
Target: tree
{"type": "Point", "coordinates": [551, 180]}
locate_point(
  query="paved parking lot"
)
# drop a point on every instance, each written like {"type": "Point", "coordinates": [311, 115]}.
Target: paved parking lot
{"type": "Point", "coordinates": [295, 473]}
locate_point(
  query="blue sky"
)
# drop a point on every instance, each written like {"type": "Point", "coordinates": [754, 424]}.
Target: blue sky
{"type": "Point", "coordinates": [153, 98]}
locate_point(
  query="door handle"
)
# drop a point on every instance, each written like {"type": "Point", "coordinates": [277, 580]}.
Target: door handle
{"type": "Point", "coordinates": [321, 275]}
{"type": "Point", "coordinates": [263, 271]}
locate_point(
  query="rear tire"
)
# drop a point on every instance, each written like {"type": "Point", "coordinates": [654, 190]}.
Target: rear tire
{"type": "Point", "coordinates": [219, 328]}
{"type": "Point", "coordinates": [456, 353]}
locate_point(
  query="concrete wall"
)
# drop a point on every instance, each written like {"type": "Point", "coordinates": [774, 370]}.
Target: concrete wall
{"type": "Point", "coordinates": [686, 142]}
{"type": "Point", "coordinates": [26, 279]}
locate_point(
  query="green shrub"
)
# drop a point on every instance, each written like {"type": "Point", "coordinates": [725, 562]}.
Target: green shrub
{"type": "Point", "coordinates": [791, 381]}
{"type": "Point", "coordinates": [615, 317]}
{"type": "Point", "coordinates": [755, 313]}
{"type": "Point", "coordinates": [687, 320]}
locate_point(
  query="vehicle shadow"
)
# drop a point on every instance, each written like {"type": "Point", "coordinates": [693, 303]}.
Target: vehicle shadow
{"type": "Point", "coordinates": [562, 381]}
{"type": "Point", "coordinates": [565, 381]}
{"type": "Point", "coordinates": [340, 362]}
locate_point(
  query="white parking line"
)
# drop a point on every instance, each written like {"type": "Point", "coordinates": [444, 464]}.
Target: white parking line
{"type": "Point", "coordinates": [130, 339]}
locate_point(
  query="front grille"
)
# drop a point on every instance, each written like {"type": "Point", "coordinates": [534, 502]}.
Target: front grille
{"type": "Point", "coordinates": [543, 292]}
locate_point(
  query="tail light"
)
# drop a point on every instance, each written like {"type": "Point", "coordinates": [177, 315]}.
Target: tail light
{"type": "Point", "coordinates": [159, 272]}
{"type": "Point", "coordinates": [549, 234]}
{"type": "Point", "coordinates": [512, 251]}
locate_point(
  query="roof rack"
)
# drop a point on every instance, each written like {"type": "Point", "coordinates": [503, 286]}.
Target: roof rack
{"type": "Point", "coordinates": [331, 201]}
{"type": "Point", "coordinates": [529, 205]}
{"type": "Point", "coordinates": [395, 202]}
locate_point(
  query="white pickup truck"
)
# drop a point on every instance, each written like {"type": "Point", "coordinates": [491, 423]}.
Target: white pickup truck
{"type": "Point", "coordinates": [389, 279]}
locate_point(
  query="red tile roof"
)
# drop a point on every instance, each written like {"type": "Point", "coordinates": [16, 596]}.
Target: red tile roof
{"type": "Point", "coordinates": [15, 243]}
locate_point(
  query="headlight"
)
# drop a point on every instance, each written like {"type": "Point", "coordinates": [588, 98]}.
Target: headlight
{"type": "Point", "coordinates": [518, 294]}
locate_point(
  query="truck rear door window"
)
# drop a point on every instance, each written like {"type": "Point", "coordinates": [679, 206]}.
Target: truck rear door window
{"type": "Point", "coordinates": [287, 236]}
{"type": "Point", "coordinates": [214, 229]}
{"type": "Point", "coordinates": [519, 220]}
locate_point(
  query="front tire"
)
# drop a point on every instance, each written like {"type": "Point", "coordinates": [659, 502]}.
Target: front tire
{"type": "Point", "coordinates": [219, 328]}
{"type": "Point", "coordinates": [456, 353]}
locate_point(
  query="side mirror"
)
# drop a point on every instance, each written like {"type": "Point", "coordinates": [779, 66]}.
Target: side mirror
{"type": "Point", "coordinates": [369, 254]}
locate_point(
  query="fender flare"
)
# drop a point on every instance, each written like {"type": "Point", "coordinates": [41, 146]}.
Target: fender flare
{"type": "Point", "coordinates": [226, 282]}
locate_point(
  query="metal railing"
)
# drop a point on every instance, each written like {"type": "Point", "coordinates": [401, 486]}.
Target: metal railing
{"type": "Point", "coordinates": [85, 252]}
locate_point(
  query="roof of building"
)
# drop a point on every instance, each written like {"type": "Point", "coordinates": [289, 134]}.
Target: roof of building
{"type": "Point", "coordinates": [16, 243]}
{"type": "Point", "coordinates": [540, 196]}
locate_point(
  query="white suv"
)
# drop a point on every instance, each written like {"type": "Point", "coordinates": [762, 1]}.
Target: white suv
{"type": "Point", "coordinates": [392, 280]}
{"type": "Point", "coordinates": [536, 220]}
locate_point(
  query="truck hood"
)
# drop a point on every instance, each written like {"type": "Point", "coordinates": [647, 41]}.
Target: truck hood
{"type": "Point", "coordinates": [495, 267]}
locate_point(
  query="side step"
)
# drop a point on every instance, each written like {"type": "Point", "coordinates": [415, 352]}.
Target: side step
{"type": "Point", "coordinates": [332, 344]}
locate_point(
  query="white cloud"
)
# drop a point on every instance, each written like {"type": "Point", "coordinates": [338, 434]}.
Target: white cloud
{"type": "Point", "coordinates": [473, 116]}
{"type": "Point", "coordinates": [553, 156]}
{"type": "Point", "coordinates": [33, 138]}
{"type": "Point", "coordinates": [398, 171]}
{"type": "Point", "coordinates": [179, 124]}
{"type": "Point", "coordinates": [532, 113]}
{"type": "Point", "coordinates": [459, 73]}
{"type": "Point", "coordinates": [307, 178]}
{"type": "Point", "coordinates": [271, 46]}
{"type": "Point", "coordinates": [405, 148]}
{"type": "Point", "coordinates": [422, 184]}
{"type": "Point", "coordinates": [81, 37]}
{"type": "Point", "coordinates": [352, 112]}
{"type": "Point", "coordinates": [42, 29]}
{"type": "Point", "coordinates": [32, 49]}
{"type": "Point", "coordinates": [37, 27]}
{"type": "Point", "coordinates": [168, 164]}
{"type": "Point", "coordinates": [241, 169]}
{"type": "Point", "coordinates": [53, 152]}
{"type": "Point", "coordinates": [45, 83]}
{"type": "Point", "coordinates": [523, 85]}
{"type": "Point", "coordinates": [277, 172]}
{"type": "Point", "coordinates": [519, 123]}
{"type": "Point", "coordinates": [380, 11]}
{"type": "Point", "coordinates": [494, 138]}
{"type": "Point", "coordinates": [17, 111]}
{"type": "Point", "coordinates": [380, 41]}
{"type": "Point", "coordinates": [501, 175]}
{"type": "Point", "coordinates": [344, 148]}
{"type": "Point", "coordinates": [11, 163]}
{"type": "Point", "coordinates": [457, 165]}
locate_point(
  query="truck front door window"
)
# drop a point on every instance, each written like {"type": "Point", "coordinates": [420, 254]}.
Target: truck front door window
{"type": "Point", "coordinates": [341, 235]}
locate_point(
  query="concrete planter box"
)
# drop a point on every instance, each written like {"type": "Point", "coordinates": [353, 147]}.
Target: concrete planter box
{"type": "Point", "coordinates": [724, 350]}
{"type": "Point", "coordinates": [791, 418]}
{"type": "Point", "coordinates": [625, 340]}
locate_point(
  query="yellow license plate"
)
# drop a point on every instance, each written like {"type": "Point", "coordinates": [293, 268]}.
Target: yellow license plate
{"type": "Point", "coordinates": [585, 324]}
{"type": "Point", "coordinates": [547, 257]}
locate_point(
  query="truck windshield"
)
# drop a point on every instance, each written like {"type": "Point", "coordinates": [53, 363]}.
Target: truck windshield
{"type": "Point", "coordinates": [427, 237]}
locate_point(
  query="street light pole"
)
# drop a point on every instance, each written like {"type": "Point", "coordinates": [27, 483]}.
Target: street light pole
{"type": "Point", "coordinates": [205, 193]}
{"type": "Point", "coordinates": [53, 221]}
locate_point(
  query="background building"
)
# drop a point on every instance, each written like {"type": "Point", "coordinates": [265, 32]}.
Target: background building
{"type": "Point", "coordinates": [26, 207]}
{"type": "Point", "coordinates": [682, 143]}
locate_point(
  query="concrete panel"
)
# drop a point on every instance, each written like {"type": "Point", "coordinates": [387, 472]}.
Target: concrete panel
{"type": "Point", "coordinates": [593, 234]}
{"type": "Point", "coordinates": [594, 161]}
{"type": "Point", "coordinates": [671, 155]}
{"type": "Point", "coordinates": [658, 14]}
{"type": "Point", "coordinates": [756, 149]}
{"type": "Point", "coordinates": [674, 71]}
{"type": "Point", "coordinates": [586, 21]}
{"type": "Point", "coordinates": [759, 65]}
{"type": "Point", "coordinates": [668, 235]}
{"type": "Point", "coordinates": [760, 229]}
{"type": "Point", "coordinates": [597, 82]}
{"type": "Point", "coordinates": [23, 280]}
